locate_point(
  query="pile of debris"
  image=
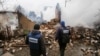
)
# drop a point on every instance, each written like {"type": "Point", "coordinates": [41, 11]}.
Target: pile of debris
{"type": "Point", "coordinates": [48, 31]}
{"type": "Point", "coordinates": [87, 37]}
{"type": "Point", "coordinates": [13, 45]}
{"type": "Point", "coordinates": [83, 35]}
{"type": "Point", "coordinates": [17, 40]}
{"type": "Point", "coordinates": [12, 41]}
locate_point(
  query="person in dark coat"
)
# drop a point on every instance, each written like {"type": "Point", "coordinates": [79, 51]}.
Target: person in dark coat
{"type": "Point", "coordinates": [59, 37]}
{"type": "Point", "coordinates": [36, 42]}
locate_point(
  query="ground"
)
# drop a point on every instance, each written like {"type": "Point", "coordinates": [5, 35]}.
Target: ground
{"type": "Point", "coordinates": [54, 51]}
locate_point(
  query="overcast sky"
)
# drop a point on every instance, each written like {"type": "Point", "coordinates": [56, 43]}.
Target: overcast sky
{"type": "Point", "coordinates": [75, 12]}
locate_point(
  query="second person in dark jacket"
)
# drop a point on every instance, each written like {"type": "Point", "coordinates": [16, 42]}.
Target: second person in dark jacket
{"type": "Point", "coordinates": [62, 36]}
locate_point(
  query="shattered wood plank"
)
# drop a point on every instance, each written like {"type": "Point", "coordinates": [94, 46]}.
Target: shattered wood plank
{"type": "Point", "coordinates": [20, 46]}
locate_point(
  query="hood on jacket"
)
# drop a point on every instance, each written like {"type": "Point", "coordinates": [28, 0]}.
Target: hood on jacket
{"type": "Point", "coordinates": [36, 32]}
{"type": "Point", "coordinates": [62, 23]}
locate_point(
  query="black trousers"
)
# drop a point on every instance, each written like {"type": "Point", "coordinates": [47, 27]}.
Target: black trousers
{"type": "Point", "coordinates": [34, 52]}
{"type": "Point", "coordinates": [62, 47]}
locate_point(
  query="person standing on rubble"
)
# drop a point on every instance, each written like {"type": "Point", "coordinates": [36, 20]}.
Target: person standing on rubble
{"type": "Point", "coordinates": [36, 42]}
{"type": "Point", "coordinates": [62, 36]}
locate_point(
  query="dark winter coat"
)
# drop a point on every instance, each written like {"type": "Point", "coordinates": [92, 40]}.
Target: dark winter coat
{"type": "Point", "coordinates": [59, 32]}
{"type": "Point", "coordinates": [36, 43]}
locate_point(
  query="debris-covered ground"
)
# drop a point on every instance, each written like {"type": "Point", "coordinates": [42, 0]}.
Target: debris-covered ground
{"type": "Point", "coordinates": [84, 42]}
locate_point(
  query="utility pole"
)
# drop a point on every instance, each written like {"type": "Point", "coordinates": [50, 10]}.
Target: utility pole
{"type": "Point", "coordinates": [1, 3]}
{"type": "Point", "coordinates": [65, 2]}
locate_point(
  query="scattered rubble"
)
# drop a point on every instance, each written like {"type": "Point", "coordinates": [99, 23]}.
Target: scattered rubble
{"type": "Point", "coordinates": [7, 54]}
{"type": "Point", "coordinates": [14, 45]}
{"type": "Point", "coordinates": [85, 36]}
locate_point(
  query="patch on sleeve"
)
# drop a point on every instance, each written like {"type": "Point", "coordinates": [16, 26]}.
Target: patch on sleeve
{"type": "Point", "coordinates": [33, 40]}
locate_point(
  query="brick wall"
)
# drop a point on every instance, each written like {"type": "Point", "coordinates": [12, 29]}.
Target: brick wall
{"type": "Point", "coordinates": [25, 23]}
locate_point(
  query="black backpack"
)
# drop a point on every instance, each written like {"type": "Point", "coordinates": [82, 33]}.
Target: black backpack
{"type": "Point", "coordinates": [65, 35]}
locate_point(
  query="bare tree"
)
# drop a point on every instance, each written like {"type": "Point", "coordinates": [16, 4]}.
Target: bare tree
{"type": "Point", "coordinates": [66, 2]}
{"type": "Point", "coordinates": [1, 3]}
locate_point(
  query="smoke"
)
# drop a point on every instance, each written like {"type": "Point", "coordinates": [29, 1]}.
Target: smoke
{"type": "Point", "coordinates": [81, 13]}
{"type": "Point", "coordinates": [51, 12]}
{"type": "Point", "coordinates": [76, 12]}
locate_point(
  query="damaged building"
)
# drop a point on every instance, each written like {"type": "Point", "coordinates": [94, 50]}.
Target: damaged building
{"type": "Point", "coordinates": [19, 19]}
{"type": "Point", "coordinates": [8, 18]}
{"type": "Point", "coordinates": [11, 21]}
{"type": "Point", "coordinates": [28, 19]}
{"type": "Point", "coordinates": [8, 23]}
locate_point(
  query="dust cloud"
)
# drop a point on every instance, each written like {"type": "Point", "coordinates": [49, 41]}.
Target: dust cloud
{"type": "Point", "coordinates": [81, 13]}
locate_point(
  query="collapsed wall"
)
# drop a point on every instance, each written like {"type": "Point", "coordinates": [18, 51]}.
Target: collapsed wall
{"type": "Point", "coordinates": [9, 19]}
